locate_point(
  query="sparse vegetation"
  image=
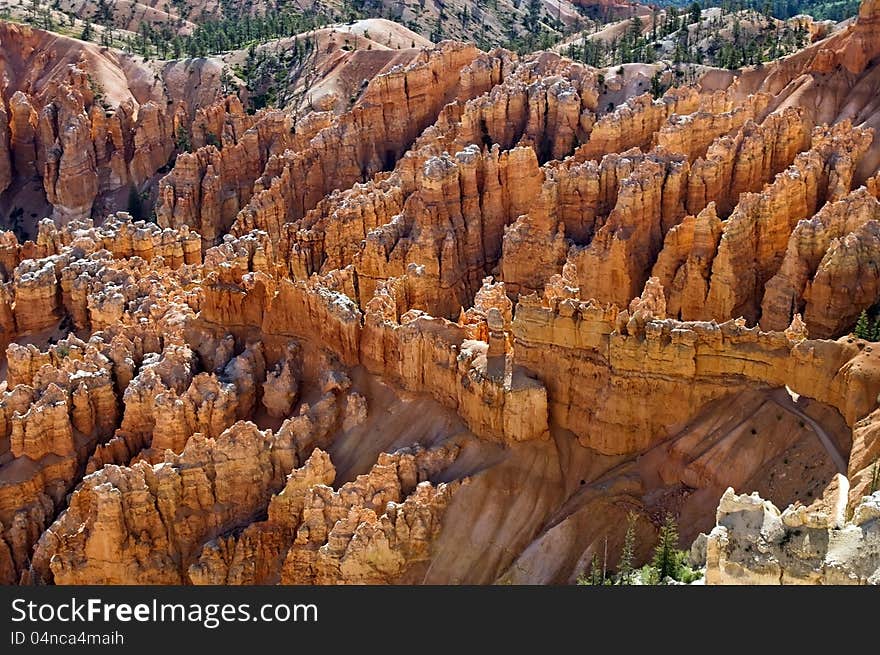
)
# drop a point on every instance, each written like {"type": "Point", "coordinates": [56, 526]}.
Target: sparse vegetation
{"type": "Point", "coordinates": [666, 551]}
{"type": "Point", "coordinates": [835, 10]}
{"type": "Point", "coordinates": [668, 563]}
{"type": "Point", "coordinates": [595, 577]}
{"type": "Point", "coordinates": [627, 553]}
{"type": "Point", "coordinates": [270, 74]}
{"type": "Point", "coordinates": [867, 326]}
{"type": "Point", "coordinates": [88, 31]}
{"type": "Point", "coordinates": [688, 36]}
{"type": "Point", "coordinates": [216, 36]}
{"type": "Point", "coordinates": [181, 139]}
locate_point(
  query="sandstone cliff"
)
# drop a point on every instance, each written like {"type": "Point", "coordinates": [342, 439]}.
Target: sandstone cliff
{"type": "Point", "coordinates": [455, 333]}
{"type": "Point", "coordinates": [92, 124]}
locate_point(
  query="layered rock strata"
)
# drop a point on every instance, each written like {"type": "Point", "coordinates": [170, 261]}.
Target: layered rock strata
{"type": "Point", "coordinates": [454, 334]}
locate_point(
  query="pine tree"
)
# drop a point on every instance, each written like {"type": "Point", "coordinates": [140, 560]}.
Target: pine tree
{"type": "Point", "coordinates": [627, 553]}
{"type": "Point", "coordinates": [594, 576]}
{"type": "Point", "coordinates": [695, 13]}
{"type": "Point", "coordinates": [666, 551]}
{"type": "Point", "coordinates": [875, 330]}
{"type": "Point", "coordinates": [863, 326]}
{"type": "Point", "coordinates": [635, 28]}
{"type": "Point", "coordinates": [595, 572]}
{"type": "Point", "coordinates": [182, 140]}
{"type": "Point", "coordinates": [656, 85]}
{"type": "Point", "coordinates": [87, 31]}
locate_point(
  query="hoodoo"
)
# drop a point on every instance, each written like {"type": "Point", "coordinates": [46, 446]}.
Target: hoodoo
{"type": "Point", "coordinates": [364, 305]}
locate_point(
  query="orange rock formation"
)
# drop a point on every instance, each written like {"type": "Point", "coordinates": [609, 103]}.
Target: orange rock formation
{"type": "Point", "coordinates": [454, 334]}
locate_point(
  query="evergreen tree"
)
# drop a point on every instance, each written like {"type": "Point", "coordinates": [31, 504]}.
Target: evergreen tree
{"type": "Point", "coordinates": [635, 28]}
{"type": "Point", "coordinates": [863, 326]}
{"type": "Point", "coordinates": [696, 13]}
{"type": "Point", "coordinates": [595, 572]}
{"type": "Point", "coordinates": [656, 85]}
{"type": "Point", "coordinates": [666, 557]}
{"type": "Point", "coordinates": [874, 330]}
{"type": "Point", "coordinates": [531, 21]}
{"type": "Point", "coordinates": [594, 576]}
{"type": "Point", "coordinates": [182, 140]}
{"type": "Point", "coordinates": [627, 554]}
{"type": "Point", "coordinates": [88, 32]}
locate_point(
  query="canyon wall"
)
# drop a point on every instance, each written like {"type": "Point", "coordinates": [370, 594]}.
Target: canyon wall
{"type": "Point", "coordinates": [454, 334]}
{"type": "Point", "coordinates": [85, 127]}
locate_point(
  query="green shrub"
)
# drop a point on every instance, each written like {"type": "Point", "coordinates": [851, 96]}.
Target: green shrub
{"type": "Point", "coordinates": [867, 328]}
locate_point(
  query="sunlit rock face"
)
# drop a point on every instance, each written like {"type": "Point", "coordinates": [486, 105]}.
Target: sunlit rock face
{"type": "Point", "coordinates": [453, 332]}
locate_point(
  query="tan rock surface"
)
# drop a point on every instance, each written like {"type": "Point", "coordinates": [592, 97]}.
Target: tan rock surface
{"type": "Point", "coordinates": [453, 333]}
{"type": "Point", "coordinates": [85, 119]}
{"type": "Point", "coordinates": [753, 543]}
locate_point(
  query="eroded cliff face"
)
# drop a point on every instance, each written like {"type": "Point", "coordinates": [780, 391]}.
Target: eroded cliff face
{"type": "Point", "coordinates": [454, 334]}
{"type": "Point", "coordinates": [85, 128]}
{"type": "Point", "coordinates": [754, 543]}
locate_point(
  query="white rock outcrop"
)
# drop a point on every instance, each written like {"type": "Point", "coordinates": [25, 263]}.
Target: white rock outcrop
{"type": "Point", "coordinates": [754, 543]}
